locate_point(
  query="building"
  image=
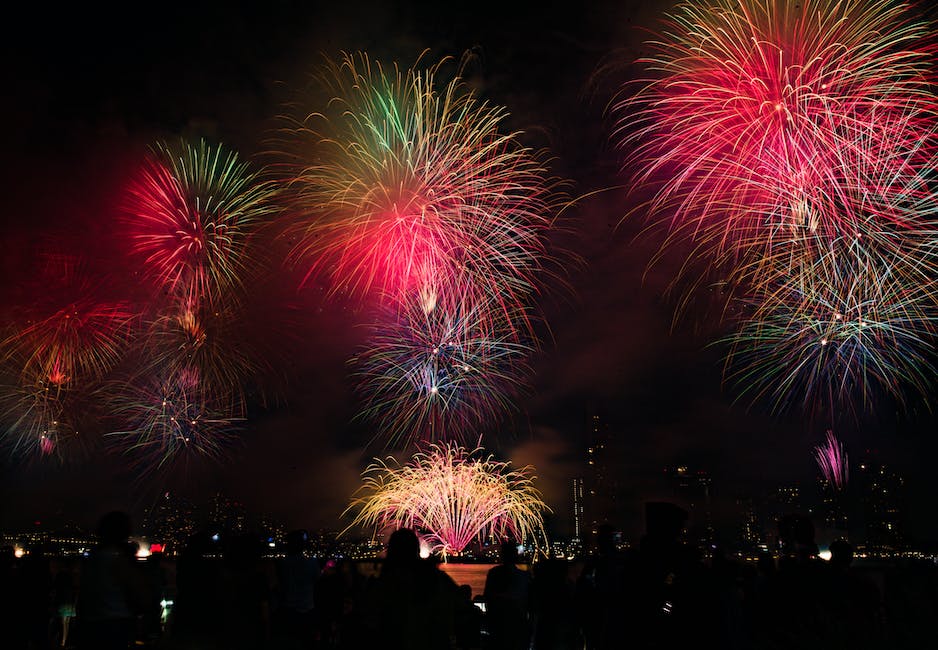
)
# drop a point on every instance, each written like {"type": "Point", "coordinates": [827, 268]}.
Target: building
{"type": "Point", "coordinates": [692, 490]}
{"type": "Point", "coordinates": [751, 532]}
{"type": "Point", "coordinates": [600, 485]}
{"type": "Point", "coordinates": [577, 509]}
{"type": "Point", "coordinates": [170, 522]}
{"type": "Point", "coordinates": [833, 508]}
{"type": "Point", "coordinates": [882, 493]}
{"type": "Point", "coordinates": [225, 514]}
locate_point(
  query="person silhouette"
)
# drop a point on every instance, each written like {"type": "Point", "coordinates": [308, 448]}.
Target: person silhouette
{"type": "Point", "coordinates": [410, 605]}
{"type": "Point", "coordinates": [297, 576]}
{"type": "Point", "coordinates": [507, 601]}
{"type": "Point", "coordinates": [111, 590]}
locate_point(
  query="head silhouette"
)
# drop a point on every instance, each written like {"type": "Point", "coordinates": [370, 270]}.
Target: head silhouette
{"type": "Point", "coordinates": [114, 528]}
{"type": "Point", "coordinates": [403, 547]}
{"type": "Point", "coordinates": [509, 552]}
{"type": "Point", "coordinates": [841, 553]}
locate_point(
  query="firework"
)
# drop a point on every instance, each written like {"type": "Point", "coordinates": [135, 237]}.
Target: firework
{"type": "Point", "coordinates": [832, 461]}
{"type": "Point", "coordinates": [36, 423]}
{"type": "Point", "coordinates": [191, 216]}
{"type": "Point", "coordinates": [453, 497]}
{"type": "Point", "coordinates": [756, 105]}
{"type": "Point", "coordinates": [414, 186]}
{"type": "Point", "coordinates": [76, 343]}
{"type": "Point", "coordinates": [838, 321]}
{"type": "Point", "coordinates": [204, 342]}
{"type": "Point", "coordinates": [439, 368]}
{"type": "Point", "coordinates": [164, 418]}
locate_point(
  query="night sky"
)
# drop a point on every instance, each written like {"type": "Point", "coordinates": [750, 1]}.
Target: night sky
{"type": "Point", "coordinates": [86, 91]}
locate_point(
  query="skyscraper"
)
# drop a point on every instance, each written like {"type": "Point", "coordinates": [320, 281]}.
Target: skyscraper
{"type": "Point", "coordinates": [600, 484]}
{"type": "Point", "coordinates": [578, 509]}
{"type": "Point", "coordinates": [882, 492]}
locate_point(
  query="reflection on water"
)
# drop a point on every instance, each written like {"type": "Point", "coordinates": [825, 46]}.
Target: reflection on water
{"type": "Point", "coordinates": [468, 574]}
{"type": "Point", "coordinates": [462, 574]}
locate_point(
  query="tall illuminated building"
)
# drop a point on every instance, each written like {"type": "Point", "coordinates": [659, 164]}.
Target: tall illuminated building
{"type": "Point", "coordinates": [578, 509]}
{"type": "Point", "coordinates": [882, 493]}
{"type": "Point", "coordinates": [600, 483]}
{"type": "Point", "coordinates": [750, 531]}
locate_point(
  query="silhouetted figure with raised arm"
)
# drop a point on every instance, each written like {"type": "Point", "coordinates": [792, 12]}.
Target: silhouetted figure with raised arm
{"type": "Point", "coordinates": [508, 602]}
{"type": "Point", "coordinates": [410, 605]}
{"type": "Point", "coordinates": [110, 589]}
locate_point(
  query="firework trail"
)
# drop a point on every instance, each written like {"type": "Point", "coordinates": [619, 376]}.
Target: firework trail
{"type": "Point", "coordinates": [413, 186]}
{"type": "Point", "coordinates": [439, 369]}
{"type": "Point", "coordinates": [832, 461]}
{"type": "Point", "coordinates": [191, 214]}
{"type": "Point", "coordinates": [453, 497]}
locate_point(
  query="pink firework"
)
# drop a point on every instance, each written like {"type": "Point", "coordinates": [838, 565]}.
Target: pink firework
{"type": "Point", "coordinates": [832, 460]}
{"type": "Point", "coordinates": [754, 106]}
{"type": "Point", "coordinates": [406, 183]}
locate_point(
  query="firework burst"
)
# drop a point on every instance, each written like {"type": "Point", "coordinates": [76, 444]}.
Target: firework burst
{"type": "Point", "coordinates": [756, 104]}
{"type": "Point", "coordinates": [849, 320]}
{"type": "Point", "coordinates": [415, 186]}
{"type": "Point", "coordinates": [204, 342]}
{"type": "Point", "coordinates": [166, 418]}
{"type": "Point", "coordinates": [37, 423]}
{"type": "Point", "coordinates": [191, 214]}
{"type": "Point", "coordinates": [453, 497]}
{"type": "Point", "coordinates": [438, 370]}
{"type": "Point", "coordinates": [77, 343]}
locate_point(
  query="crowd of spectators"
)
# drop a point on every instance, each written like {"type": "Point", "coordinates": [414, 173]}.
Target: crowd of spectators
{"type": "Point", "coordinates": [661, 594]}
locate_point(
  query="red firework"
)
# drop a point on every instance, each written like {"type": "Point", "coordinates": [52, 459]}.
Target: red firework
{"type": "Point", "coordinates": [756, 105]}
{"type": "Point", "coordinates": [191, 215]}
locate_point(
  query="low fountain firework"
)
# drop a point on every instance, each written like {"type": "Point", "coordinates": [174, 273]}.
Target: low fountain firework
{"type": "Point", "coordinates": [452, 497]}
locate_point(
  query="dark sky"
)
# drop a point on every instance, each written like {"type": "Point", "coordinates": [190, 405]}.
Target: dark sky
{"type": "Point", "coordinates": [86, 90]}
